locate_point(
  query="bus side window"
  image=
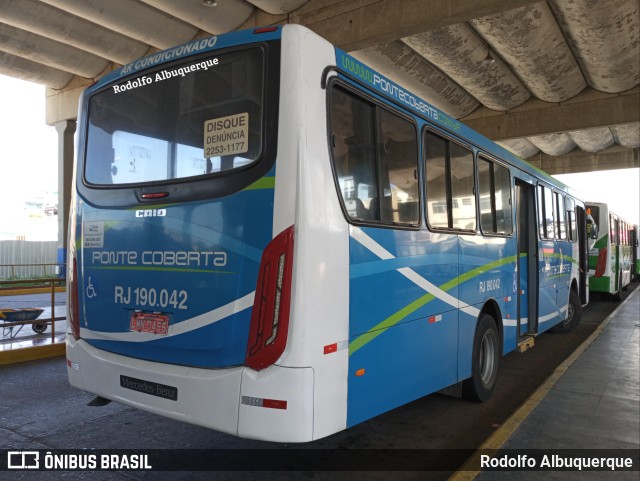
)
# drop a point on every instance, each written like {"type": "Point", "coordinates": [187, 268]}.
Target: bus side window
{"type": "Point", "coordinates": [353, 156]}
{"type": "Point", "coordinates": [571, 219]}
{"type": "Point", "coordinates": [435, 173]}
{"type": "Point", "coordinates": [560, 217]}
{"type": "Point", "coordinates": [592, 226]}
{"type": "Point", "coordinates": [462, 188]}
{"type": "Point", "coordinates": [375, 157]}
{"type": "Point", "coordinates": [546, 206]}
{"type": "Point", "coordinates": [397, 167]}
{"type": "Point", "coordinates": [613, 229]}
{"type": "Point", "coordinates": [495, 197]}
{"type": "Point", "coordinates": [542, 230]}
{"type": "Point", "coordinates": [451, 201]}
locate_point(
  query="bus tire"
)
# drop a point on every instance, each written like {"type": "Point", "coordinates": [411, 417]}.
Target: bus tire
{"type": "Point", "coordinates": [485, 361]}
{"type": "Point", "coordinates": [574, 314]}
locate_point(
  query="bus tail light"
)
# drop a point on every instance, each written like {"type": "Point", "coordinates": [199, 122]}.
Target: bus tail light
{"type": "Point", "coordinates": [270, 316]}
{"type": "Point", "coordinates": [265, 29]}
{"type": "Point", "coordinates": [74, 307]}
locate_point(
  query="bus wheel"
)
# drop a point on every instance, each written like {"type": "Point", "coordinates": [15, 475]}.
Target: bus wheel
{"type": "Point", "coordinates": [486, 358]}
{"type": "Point", "coordinates": [574, 314]}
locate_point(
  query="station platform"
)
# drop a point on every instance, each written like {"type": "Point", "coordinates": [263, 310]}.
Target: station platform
{"type": "Point", "coordinates": [592, 402]}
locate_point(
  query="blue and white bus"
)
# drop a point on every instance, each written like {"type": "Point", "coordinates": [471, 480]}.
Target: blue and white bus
{"type": "Point", "coordinates": [270, 239]}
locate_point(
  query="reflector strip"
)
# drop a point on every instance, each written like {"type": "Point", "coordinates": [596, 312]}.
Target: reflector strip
{"type": "Point", "coordinates": [434, 319]}
{"type": "Point", "coordinates": [274, 404]}
{"type": "Point", "coordinates": [331, 348]}
{"type": "Point", "coordinates": [73, 365]}
{"type": "Point", "coordinates": [335, 347]}
{"type": "Point", "coordinates": [264, 403]}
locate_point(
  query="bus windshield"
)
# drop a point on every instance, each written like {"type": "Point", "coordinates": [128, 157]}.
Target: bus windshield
{"type": "Point", "coordinates": [188, 119]}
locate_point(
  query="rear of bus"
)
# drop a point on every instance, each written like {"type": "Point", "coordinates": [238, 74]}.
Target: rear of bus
{"type": "Point", "coordinates": [177, 278]}
{"type": "Point", "coordinates": [610, 254]}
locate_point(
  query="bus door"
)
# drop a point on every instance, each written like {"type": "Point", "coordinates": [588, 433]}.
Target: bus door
{"type": "Point", "coordinates": [526, 261]}
{"type": "Point", "coordinates": [583, 259]}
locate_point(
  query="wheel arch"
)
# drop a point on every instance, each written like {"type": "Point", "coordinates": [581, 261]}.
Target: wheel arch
{"type": "Point", "coordinates": [574, 286]}
{"type": "Point", "coordinates": [491, 308]}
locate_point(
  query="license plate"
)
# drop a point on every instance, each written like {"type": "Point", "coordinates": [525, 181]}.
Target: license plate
{"type": "Point", "coordinates": [150, 323]}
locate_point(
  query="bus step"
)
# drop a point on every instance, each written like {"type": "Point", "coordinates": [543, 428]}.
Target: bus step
{"type": "Point", "coordinates": [526, 343]}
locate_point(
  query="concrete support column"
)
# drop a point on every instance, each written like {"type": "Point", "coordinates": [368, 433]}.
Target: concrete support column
{"type": "Point", "coordinates": [66, 129]}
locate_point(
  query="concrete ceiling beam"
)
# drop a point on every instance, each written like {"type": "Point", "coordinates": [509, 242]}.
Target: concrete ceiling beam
{"type": "Point", "coordinates": [579, 161]}
{"type": "Point", "coordinates": [31, 71]}
{"type": "Point", "coordinates": [278, 7]}
{"type": "Point", "coordinates": [50, 52]}
{"type": "Point", "coordinates": [56, 24]}
{"type": "Point", "coordinates": [132, 18]}
{"type": "Point", "coordinates": [214, 17]}
{"type": "Point", "coordinates": [459, 52]}
{"type": "Point", "coordinates": [587, 110]}
{"type": "Point", "coordinates": [355, 25]}
{"type": "Point", "coordinates": [605, 38]}
{"type": "Point", "coordinates": [404, 66]}
{"type": "Point", "coordinates": [531, 42]}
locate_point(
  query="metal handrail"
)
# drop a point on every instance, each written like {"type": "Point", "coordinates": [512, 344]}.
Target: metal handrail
{"type": "Point", "coordinates": [41, 282]}
{"type": "Point", "coordinates": [43, 264]}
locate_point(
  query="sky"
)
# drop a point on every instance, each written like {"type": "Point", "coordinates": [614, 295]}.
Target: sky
{"type": "Point", "coordinates": [618, 188]}
{"type": "Point", "coordinates": [28, 159]}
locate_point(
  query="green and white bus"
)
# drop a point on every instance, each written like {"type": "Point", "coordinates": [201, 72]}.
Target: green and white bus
{"type": "Point", "coordinates": [610, 250]}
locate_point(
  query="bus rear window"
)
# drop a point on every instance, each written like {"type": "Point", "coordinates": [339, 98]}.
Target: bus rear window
{"type": "Point", "coordinates": [196, 118]}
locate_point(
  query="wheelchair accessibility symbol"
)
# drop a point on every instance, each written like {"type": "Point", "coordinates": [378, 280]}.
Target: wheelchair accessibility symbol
{"type": "Point", "coordinates": [91, 292]}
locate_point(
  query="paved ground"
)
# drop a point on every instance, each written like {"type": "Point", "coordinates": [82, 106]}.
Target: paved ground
{"type": "Point", "coordinates": [595, 405]}
{"type": "Point", "coordinates": [39, 410]}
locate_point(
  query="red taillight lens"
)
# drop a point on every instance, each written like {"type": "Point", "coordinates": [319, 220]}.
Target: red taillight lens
{"type": "Point", "coordinates": [265, 29]}
{"type": "Point", "coordinates": [270, 315]}
{"type": "Point", "coordinates": [74, 307]}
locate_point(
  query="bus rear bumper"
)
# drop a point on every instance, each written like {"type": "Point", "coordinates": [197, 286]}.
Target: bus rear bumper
{"type": "Point", "coordinates": [275, 404]}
